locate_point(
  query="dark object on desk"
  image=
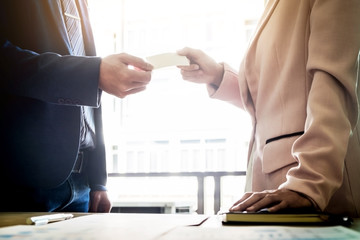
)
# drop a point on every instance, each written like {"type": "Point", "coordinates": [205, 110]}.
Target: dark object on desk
{"type": "Point", "coordinates": [288, 217]}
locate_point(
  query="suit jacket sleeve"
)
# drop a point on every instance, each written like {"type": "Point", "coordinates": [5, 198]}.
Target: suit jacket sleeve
{"type": "Point", "coordinates": [49, 77]}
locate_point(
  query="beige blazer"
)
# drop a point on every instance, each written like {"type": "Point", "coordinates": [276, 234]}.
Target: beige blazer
{"type": "Point", "coordinates": [298, 82]}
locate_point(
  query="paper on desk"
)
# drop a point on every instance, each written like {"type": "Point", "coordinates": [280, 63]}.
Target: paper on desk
{"type": "Point", "coordinates": [104, 226]}
{"type": "Point", "coordinates": [167, 60]}
{"type": "Point", "coordinates": [261, 232]}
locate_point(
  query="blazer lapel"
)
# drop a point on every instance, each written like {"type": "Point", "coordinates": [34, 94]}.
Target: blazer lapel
{"type": "Point", "coordinates": [269, 9]}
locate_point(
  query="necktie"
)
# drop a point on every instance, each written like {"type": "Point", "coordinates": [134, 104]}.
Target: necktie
{"type": "Point", "coordinates": [73, 27]}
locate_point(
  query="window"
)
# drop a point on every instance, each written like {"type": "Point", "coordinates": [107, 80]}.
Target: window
{"type": "Point", "coordinates": [174, 127]}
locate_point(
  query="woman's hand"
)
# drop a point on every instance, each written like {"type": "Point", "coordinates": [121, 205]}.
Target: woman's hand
{"type": "Point", "coordinates": [274, 200]}
{"type": "Point", "coordinates": [202, 68]}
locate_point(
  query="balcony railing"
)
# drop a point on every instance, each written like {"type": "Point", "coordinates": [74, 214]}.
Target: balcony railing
{"type": "Point", "coordinates": [200, 179]}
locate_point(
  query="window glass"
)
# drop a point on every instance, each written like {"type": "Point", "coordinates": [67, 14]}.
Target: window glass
{"type": "Point", "coordinates": [174, 126]}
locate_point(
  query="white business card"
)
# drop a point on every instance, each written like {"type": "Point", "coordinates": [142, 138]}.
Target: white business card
{"type": "Point", "coordinates": [167, 60]}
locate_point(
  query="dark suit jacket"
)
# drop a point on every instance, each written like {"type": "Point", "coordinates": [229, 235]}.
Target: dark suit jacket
{"type": "Point", "coordinates": [42, 87]}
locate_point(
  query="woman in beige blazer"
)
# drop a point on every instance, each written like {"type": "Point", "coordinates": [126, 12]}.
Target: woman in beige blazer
{"type": "Point", "coordinates": [298, 81]}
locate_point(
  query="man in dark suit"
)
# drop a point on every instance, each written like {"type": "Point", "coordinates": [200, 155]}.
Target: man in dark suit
{"type": "Point", "coordinates": [52, 150]}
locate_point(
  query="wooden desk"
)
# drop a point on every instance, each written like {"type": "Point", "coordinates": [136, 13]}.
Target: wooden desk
{"type": "Point", "coordinates": [144, 226]}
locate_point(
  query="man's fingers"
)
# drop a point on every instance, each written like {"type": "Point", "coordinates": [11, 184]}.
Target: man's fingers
{"type": "Point", "coordinates": [136, 62]}
{"type": "Point", "coordinates": [135, 90]}
{"type": "Point", "coordinates": [94, 201]}
{"type": "Point", "coordinates": [136, 76]}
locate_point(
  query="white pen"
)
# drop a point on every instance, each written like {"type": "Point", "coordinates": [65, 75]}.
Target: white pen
{"type": "Point", "coordinates": [45, 219]}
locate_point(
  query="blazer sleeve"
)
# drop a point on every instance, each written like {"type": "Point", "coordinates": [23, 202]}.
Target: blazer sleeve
{"type": "Point", "coordinates": [332, 107]}
{"type": "Point", "coordinates": [228, 90]}
{"type": "Point", "coordinates": [49, 77]}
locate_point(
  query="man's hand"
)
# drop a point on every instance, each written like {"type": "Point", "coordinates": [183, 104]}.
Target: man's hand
{"type": "Point", "coordinates": [118, 79]}
{"type": "Point", "coordinates": [274, 200]}
{"type": "Point", "coordinates": [99, 202]}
